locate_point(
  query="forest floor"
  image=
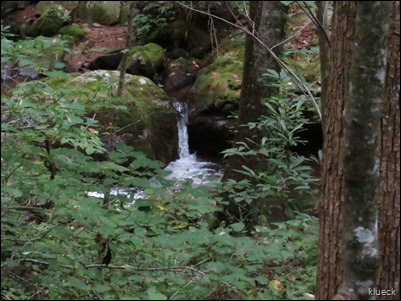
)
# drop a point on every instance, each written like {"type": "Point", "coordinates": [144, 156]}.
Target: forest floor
{"type": "Point", "coordinates": [99, 39]}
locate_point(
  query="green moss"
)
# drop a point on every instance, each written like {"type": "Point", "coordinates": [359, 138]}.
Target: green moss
{"type": "Point", "coordinates": [103, 12]}
{"type": "Point", "coordinates": [147, 122]}
{"type": "Point", "coordinates": [50, 22]}
{"type": "Point", "coordinates": [151, 54]}
{"type": "Point", "coordinates": [124, 13]}
{"type": "Point", "coordinates": [73, 32]}
{"type": "Point", "coordinates": [220, 83]}
{"type": "Point", "coordinates": [232, 42]}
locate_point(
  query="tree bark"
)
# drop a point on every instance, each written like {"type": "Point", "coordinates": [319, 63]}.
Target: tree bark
{"type": "Point", "coordinates": [330, 265]}
{"type": "Point", "coordinates": [268, 24]}
{"type": "Point", "coordinates": [389, 154]}
{"type": "Point", "coordinates": [332, 268]}
{"type": "Point", "coordinates": [363, 112]}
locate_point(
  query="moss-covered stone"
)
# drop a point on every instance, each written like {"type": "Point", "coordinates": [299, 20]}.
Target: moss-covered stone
{"type": "Point", "coordinates": [218, 86]}
{"type": "Point", "coordinates": [235, 42]}
{"type": "Point", "coordinates": [103, 12]}
{"type": "Point", "coordinates": [146, 60]}
{"type": "Point", "coordinates": [50, 22]}
{"type": "Point", "coordinates": [124, 13]}
{"type": "Point", "coordinates": [148, 122]}
{"type": "Point", "coordinates": [42, 6]}
{"type": "Point", "coordinates": [73, 32]}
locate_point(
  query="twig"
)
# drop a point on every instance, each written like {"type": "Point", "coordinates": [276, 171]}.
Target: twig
{"type": "Point", "coordinates": [124, 267]}
{"type": "Point", "coordinates": [315, 20]}
{"type": "Point", "coordinates": [189, 282]}
{"type": "Point", "coordinates": [292, 36]}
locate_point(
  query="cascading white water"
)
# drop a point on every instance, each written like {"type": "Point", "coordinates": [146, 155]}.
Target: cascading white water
{"type": "Point", "coordinates": [183, 144]}
{"type": "Point", "coordinates": [188, 166]}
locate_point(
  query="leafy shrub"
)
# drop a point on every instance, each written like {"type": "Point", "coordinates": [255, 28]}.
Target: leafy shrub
{"type": "Point", "coordinates": [287, 177]}
{"type": "Point", "coordinates": [155, 15]}
{"type": "Point", "coordinates": [52, 228]}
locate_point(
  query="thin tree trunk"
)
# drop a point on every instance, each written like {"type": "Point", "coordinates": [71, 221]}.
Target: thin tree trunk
{"type": "Point", "coordinates": [268, 24]}
{"type": "Point", "coordinates": [324, 19]}
{"type": "Point", "coordinates": [121, 83]}
{"type": "Point", "coordinates": [123, 68]}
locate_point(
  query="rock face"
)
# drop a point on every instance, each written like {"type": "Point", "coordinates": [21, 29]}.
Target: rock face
{"type": "Point", "coordinates": [102, 12]}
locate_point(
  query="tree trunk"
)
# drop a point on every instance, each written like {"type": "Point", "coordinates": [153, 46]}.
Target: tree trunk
{"type": "Point", "coordinates": [389, 150]}
{"type": "Point", "coordinates": [268, 24]}
{"type": "Point", "coordinates": [363, 111]}
{"type": "Point", "coordinates": [123, 68]}
{"type": "Point", "coordinates": [331, 206]}
{"type": "Point", "coordinates": [337, 262]}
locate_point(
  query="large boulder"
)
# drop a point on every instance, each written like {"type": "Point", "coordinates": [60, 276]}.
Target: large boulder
{"type": "Point", "coordinates": [50, 22]}
{"type": "Point", "coordinates": [148, 121]}
{"type": "Point", "coordinates": [102, 12]}
{"type": "Point", "coordinates": [42, 6]}
{"type": "Point", "coordinates": [217, 87]}
{"type": "Point", "coordinates": [146, 60]}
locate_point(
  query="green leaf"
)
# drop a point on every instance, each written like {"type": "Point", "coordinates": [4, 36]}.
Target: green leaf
{"type": "Point", "coordinates": [78, 284]}
{"type": "Point", "coordinates": [156, 296]}
{"type": "Point", "coordinates": [237, 226]}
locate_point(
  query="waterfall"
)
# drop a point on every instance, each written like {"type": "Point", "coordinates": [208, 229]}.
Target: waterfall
{"type": "Point", "coordinates": [182, 121]}
{"type": "Point", "coordinates": [186, 167]}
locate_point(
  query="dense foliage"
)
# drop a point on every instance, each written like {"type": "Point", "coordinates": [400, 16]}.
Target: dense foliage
{"type": "Point", "coordinates": [55, 233]}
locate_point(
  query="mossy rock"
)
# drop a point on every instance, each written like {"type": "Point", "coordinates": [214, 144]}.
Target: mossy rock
{"type": "Point", "coordinates": [50, 22]}
{"type": "Point", "coordinates": [148, 122]}
{"type": "Point", "coordinates": [235, 42]}
{"type": "Point", "coordinates": [146, 60]}
{"type": "Point", "coordinates": [103, 12]}
{"type": "Point", "coordinates": [73, 33]}
{"type": "Point", "coordinates": [218, 86]}
{"type": "Point", "coordinates": [42, 6]}
{"type": "Point", "coordinates": [181, 72]}
{"type": "Point", "coordinates": [124, 13]}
